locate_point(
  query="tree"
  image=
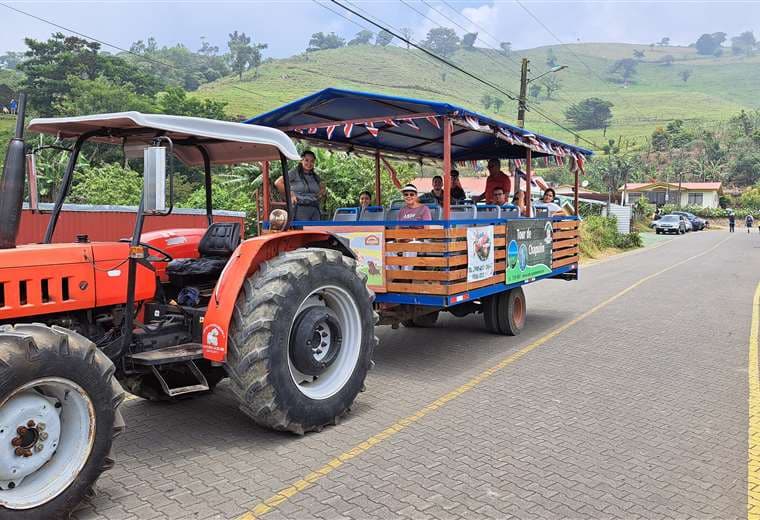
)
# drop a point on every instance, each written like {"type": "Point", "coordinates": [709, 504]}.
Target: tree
{"type": "Point", "coordinates": [659, 139]}
{"type": "Point", "coordinates": [243, 54]}
{"type": "Point", "coordinates": [10, 59]}
{"type": "Point", "coordinates": [684, 75]}
{"type": "Point", "coordinates": [320, 41]}
{"type": "Point", "coordinates": [102, 96]}
{"type": "Point", "coordinates": [639, 55]}
{"type": "Point", "coordinates": [362, 38]}
{"type": "Point", "coordinates": [590, 113]}
{"type": "Point", "coordinates": [468, 40]}
{"type": "Point", "coordinates": [626, 68]}
{"type": "Point", "coordinates": [552, 84]}
{"type": "Point", "coordinates": [497, 104]}
{"type": "Point", "coordinates": [708, 44]}
{"type": "Point", "coordinates": [384, 38]}
{"type": "Point", "coordinates": [106, 184]}
{"type": "Point", "coordinates": [407, 33]}
{"type": "Point", "coordinates": [667, 60]}
{"type": "Point", "coordinates": [535, 91]}
{"type": "Point", "coordinates": [551, 59]}
{"type": "Point", "coordinates": [664, 42]}
{"type": "Point", "coordinates": [176, 101]}
{"type": "Point", "coordinates": [486, 101]}
{"type": "Point", "coordinates": [506, 48]}
{"type": "Point", "coordinates": [744, 43]}
{"type": "Point", "coordinates": [442, 40]}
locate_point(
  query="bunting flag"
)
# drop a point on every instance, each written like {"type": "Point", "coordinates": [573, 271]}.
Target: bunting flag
{"type": "Point", "coordinates": [347, 129]}
{"type": "Point", "coordinates": [408, 121]}
{"type": "Point", "coordinates": [330, 130]}
{"type": "Point", "coordinates": [472, 122]}
{"type": "Point", "coordinates": [518, 163]}
{"type": "Point", "coordinates": [559, 160]}
{"type": "Point", "coordinates": [390, 122]}
{"type": "Point", "coordinates": [312, 131]}
{"type": "Point", "coordinates": [371, 128]}
{"type": "Point", "coordinates": [433, 121]}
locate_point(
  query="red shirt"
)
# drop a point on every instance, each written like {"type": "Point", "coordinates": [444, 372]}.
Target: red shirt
{"type": "Point", "coordinates": [500, 180]}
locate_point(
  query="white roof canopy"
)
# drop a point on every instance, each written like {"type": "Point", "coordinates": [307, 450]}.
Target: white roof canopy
{"type": "Point", "coordinates": [225, 142]}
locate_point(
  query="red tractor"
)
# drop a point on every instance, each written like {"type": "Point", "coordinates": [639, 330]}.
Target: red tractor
{"type": "Point", "coordinates": [165, 315]}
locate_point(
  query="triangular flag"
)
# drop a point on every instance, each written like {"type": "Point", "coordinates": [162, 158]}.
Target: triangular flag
{"type": "Point", "coordinates": [409, 122]}
{"type": "Point", "coordinates": [390, 122]}
{"type": "Point", "coordinates": [312, 131]}
{"type": "Point", "coordinates": [347, 129]}
{"type": "Point", "coordinates": [371, 129]}
{"type": "Point", "coordinates": [330, 130]}
{"type": "Point", "coordinates": [433, 121]}
{"type": "Point", "coordinates": [472, 122]}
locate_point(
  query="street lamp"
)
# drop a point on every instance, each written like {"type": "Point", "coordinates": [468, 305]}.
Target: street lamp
{"type": "Point", "coordinates": [521, 102]}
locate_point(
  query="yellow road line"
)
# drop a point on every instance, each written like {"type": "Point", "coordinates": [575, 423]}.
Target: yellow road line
{"type": "Point", "coordinates": [309, 480]}
{"type": "Point", "coordinates": [753, 437]}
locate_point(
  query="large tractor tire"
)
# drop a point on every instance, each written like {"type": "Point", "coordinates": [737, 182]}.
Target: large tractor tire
{"type": "Point", "coordinates": [301, 340]}
{"type": "Point", "coordinates": [58, 416]}
{"type": "Point", "coordinates": [505, 313]}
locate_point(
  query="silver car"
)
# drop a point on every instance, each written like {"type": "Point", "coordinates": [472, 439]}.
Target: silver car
{"type": "Point", "coordinates": [670, 224]}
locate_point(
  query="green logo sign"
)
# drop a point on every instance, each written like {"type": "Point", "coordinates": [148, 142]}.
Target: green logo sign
{"type": "Point", "coordinates": [529, 249]}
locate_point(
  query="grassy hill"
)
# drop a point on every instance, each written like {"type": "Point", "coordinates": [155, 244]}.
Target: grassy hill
{"type": "Point", "coordinates": [717, 89]}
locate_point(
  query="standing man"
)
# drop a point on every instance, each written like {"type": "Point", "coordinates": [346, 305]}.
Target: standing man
{"type": "Point", "coordinates": [495, 178]}
{"type": "Point", "coordinates": [749, 221]}
{"type": "Point", "coordinates": [731, 222]}
{"type": "Point", "coordinates": [13, 105]}
{"type": "Point", "coordinates": [306, 188]}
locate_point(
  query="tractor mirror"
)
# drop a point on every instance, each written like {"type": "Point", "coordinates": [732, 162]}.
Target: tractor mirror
{"type": "Point", "coordinates": [154, 179]}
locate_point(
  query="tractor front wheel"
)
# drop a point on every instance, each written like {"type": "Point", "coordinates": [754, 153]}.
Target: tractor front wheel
{"type": "Point", "coordinates": [58, 415]}
{"type": "Point", "coordinates": [301, 340]}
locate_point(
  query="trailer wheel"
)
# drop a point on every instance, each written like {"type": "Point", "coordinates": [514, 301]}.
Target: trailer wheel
{"type": "Point", "coordinates": [301, 340]}
{"type": "Point", "coordinates": [512, 311]}
{"type": "Point", "coordinates": [491, 313]}
{"type": "Point", "coordinates": [58, 416]}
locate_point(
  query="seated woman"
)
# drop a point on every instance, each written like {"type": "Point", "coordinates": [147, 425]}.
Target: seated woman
{"type": "Point", "coordinates": [365, 200]}
{"type": "Point", "coordinates": [526, 210]}
{"type": "Point", "coordinates": [412, 210]}
{"type": "Point", "coordinates": [547, 201]}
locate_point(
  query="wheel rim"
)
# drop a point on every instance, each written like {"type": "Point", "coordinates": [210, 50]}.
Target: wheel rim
{"type": "Point", "coordinates": [59, 419]}
{"type": "Point", "coordinates": [518, 311]}
{"type": "Point", "coordinates": [344, 310]}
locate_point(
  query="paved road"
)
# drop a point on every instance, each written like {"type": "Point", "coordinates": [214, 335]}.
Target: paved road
{"type": "Point", "coordinates": [637, 407]}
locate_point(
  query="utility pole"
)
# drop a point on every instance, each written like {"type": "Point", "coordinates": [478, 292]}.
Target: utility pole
{"type": "Point", "coordinates": [521, 102]}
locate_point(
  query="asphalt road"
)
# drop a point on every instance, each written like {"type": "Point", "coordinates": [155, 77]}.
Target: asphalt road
{"type": "Point", "coordinates": [625, 396]}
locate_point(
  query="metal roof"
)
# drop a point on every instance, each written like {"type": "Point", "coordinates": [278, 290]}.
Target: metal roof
{"type": "Point", "coordinates": [225, 142]}
{"type": "Point", "coordinates": [474, 135]}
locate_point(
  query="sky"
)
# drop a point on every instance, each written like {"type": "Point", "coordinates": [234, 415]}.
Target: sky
{"type": "Point", "coordinates": [286, 25]}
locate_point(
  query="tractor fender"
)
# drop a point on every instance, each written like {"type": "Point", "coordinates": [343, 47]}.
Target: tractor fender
{"type": "Point", "coordinates": [243, 263]}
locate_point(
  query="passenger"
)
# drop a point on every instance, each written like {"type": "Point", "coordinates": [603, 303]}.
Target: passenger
{"type": "Point", "coordinates": [413, 210]}
{"type": "Point", "coordinates": [457, 192]}
{"type": "Point", "coordinates": [519, 201]}
{"type": "Point", "coordinates": [437, 192]}
{"type": "Point", "coordinates": [496, 177]}
{"type": "Point", "coordinates": [306, 189]}
{"type": "Point", "coordinates": [365, 200]}
{"type": "Point", "coordinates": [547, 201]}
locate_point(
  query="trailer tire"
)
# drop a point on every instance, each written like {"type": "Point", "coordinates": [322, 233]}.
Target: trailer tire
{"type": "Point", "coordinates": [67, 431]}
{"type": "Point", "coordinates": [293, 300]}
{"type": "Point", "coordinates": [491, 313]}
{"type": "Point", "coordinates": [512, 311]}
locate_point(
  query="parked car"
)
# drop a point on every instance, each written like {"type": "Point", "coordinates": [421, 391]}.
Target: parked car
{"type": "Point", "coordinates": [687, 223]}
{"type": "Point", "coordinates": [671, 224]}
{"type": "Point", "coordinates": [697, 223]}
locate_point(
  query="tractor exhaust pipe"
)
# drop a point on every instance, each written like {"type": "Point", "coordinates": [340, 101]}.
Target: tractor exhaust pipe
{"type": "Point", "coordinates": [12, 183]}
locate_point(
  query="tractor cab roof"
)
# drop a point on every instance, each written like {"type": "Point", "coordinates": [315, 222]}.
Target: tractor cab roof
{"type": "Point", "coordinates": [225, 142]}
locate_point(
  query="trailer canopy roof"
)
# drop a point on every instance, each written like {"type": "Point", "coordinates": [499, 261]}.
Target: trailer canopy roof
{"type": "Point", "coordinates": [225, 142]}
{"type": "Point", "coordinates": [406, 126]}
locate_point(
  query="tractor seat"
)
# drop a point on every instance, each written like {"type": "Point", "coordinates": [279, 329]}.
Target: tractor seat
{"type": "Point", "coordinates": [215, 248]}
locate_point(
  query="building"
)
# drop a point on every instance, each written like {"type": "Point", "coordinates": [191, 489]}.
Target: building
{"type": "Point", "coordinates": [704, 194]}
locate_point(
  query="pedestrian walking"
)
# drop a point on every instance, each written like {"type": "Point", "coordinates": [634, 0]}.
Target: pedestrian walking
{"type": "Point", "coordinates": [731, 222]}
{"type": "Point", "coordinates": [13, 106]}
{"type": "Point", "coordinates": [749, 221]}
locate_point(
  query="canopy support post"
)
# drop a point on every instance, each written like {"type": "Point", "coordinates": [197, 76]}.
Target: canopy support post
{"type": "Point", "coordinates": [446, 168]}
{"type": "Point", "coordinates": [378, 188]}
{"type": "Point", "coordinates": [265, 188]}
{"type": "Point", "coordinates": [528, 176]}
{"type": "Point", "coordinates": [575, 192]}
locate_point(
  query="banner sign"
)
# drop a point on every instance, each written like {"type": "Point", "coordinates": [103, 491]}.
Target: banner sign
{"type": "Point", "coordinates": [479, 253]}
{"type": "Point", "coordinates": [368, 244]}
{"type": "Point", "coordinates": [529, 249]}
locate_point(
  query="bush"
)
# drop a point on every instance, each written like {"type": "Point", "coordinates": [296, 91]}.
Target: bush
{"type": "Point", "coordinates": [600, 233]}
{"type": "Point", "coordinates": [629, 241]}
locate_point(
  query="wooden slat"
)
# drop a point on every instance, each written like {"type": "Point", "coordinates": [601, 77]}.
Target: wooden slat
{"type": "Point", "coordinates": [558, 235]}
{"type": "Point", "coordinates": [571, 251]}
{"type": "Point", "coordinates": [561, 244]}
{"type": "Point", "coordinates": [422, 261]}
{"type": "Point", "coordinates": [399, 274]}
{"type": "Point", "coordinates": [419, 247]}
{"type": "Point", "coordinates": [417, 288]}
{"type": "Point", "coordinates": [418, 233]}
{"type": "Point", "coordinates": [567, 224]}
{"type": "Point", "coordinates": [564, 262]}
{"type": "Point", "coordinates": [462, 287]}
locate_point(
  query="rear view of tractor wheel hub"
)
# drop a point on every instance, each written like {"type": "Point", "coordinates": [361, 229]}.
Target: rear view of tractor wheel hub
{"type": "Point", "coordinates": [316, 340]}
{"type": "Point", "coordinates": [30, 428]}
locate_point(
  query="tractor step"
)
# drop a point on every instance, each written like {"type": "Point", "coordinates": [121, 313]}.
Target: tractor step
{"type": "Point", "coordinates": [168, 355]}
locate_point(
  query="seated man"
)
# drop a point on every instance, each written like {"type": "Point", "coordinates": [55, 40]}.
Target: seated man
{"type": "Point", "coordinates": [436, 194]}
{"type": "Point", "coordinates": [457, 192]}
{"type": "Point", "coordinates": [499, 197]}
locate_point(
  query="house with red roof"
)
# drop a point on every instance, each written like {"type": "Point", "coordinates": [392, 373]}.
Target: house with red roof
{"type": "Point", "coordinates": [704, 194]}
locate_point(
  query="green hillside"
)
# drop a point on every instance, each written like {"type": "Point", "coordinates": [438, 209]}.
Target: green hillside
{"type": "Point", "coordinates": [717, 89]}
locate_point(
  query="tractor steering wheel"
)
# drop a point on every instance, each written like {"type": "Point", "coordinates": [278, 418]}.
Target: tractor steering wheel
{"type": "Point", "coordinates": [165, 257]}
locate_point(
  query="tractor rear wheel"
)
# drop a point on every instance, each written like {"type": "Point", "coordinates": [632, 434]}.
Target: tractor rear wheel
{"type": "Point", "coordinates": [58, 416]}
{"type": "Point", "coordinates": [301, 340]}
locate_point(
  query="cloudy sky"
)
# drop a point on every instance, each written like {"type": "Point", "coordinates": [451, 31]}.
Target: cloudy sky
{"type": "Point", "coordinates": [286, 25]}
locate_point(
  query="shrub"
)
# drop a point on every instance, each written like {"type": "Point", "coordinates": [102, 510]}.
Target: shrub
{"type": "Point", "coordinates": [600, 233]}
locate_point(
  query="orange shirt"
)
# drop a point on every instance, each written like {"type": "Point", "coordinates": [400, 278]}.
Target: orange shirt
{"type": "Point", "coordinates": [500, 180]}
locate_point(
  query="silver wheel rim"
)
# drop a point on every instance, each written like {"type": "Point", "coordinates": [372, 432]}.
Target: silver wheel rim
{"type": "Point", "coordinates": [63, 444]}
{"type": "Point", "coordinates": [335, 377]}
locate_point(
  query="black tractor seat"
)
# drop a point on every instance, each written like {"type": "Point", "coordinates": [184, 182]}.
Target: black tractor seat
{"type": "Point", "coordinates": [215, 248]}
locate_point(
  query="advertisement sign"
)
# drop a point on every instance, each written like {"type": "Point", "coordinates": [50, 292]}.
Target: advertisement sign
{"type": "Point", "coordinates": [368, 244]}
{"type": "Point", "coordinates": [529, 249]}
{"type": "Point", "coordinates": [479, 253]}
